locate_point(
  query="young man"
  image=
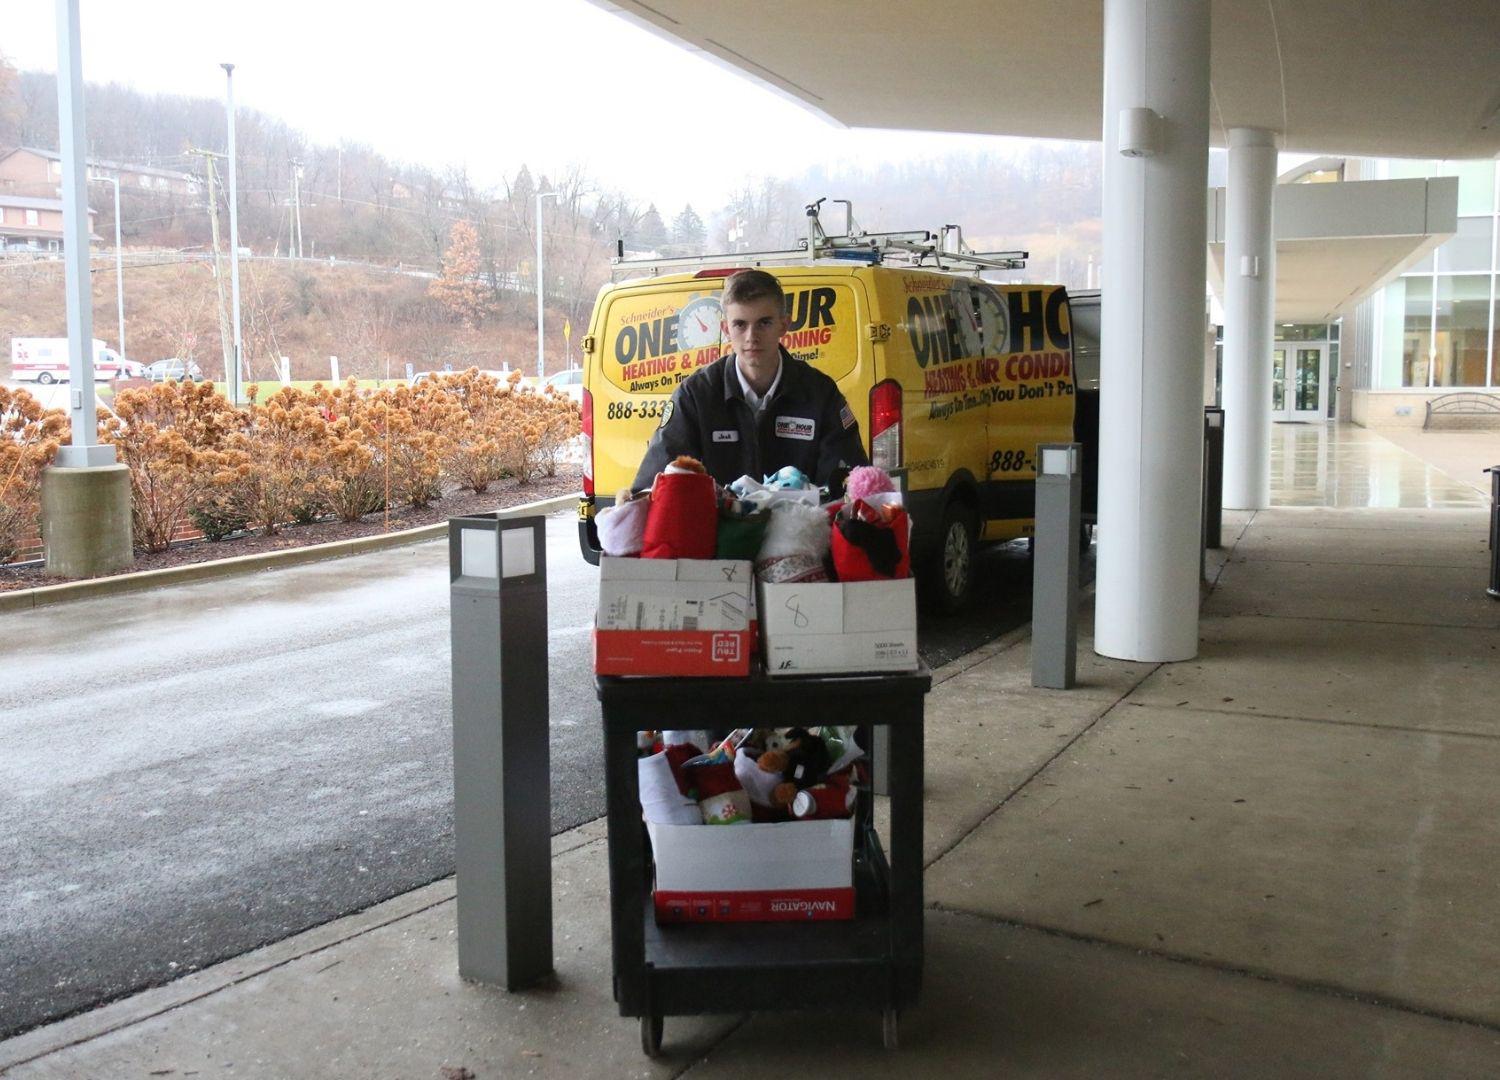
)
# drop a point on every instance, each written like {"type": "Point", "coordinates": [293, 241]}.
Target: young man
{"type": "Point", "coordinates": [757, 409]}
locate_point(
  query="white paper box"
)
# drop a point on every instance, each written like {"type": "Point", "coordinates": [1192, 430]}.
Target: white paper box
{"type": "Point", "coordinates": [674, 617]}
{"type": "Point", "coordinates": [839, 627]}
{"type": "Point", "coordinates": [787, 871]}
{"type": "Point", "coordinates": [673, 594]}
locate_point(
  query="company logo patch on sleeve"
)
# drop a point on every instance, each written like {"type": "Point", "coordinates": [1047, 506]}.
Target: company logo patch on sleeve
{"type": "Point", "coordinates": [795, 427]}
{"type": "Point", "coordinates": [846, 416]}
{"type": "Point", "coordinates": [726, 436]}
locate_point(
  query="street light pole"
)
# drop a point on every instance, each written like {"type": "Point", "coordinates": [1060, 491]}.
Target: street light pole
{"type": "Point", "coordinates": [235, 394]}
{"type": "Point", "coordinates": [84, 449]}
{"type": "Point", "coordinates": [119, 262]}
{"type": "Point", "coordinates": [540, 277]}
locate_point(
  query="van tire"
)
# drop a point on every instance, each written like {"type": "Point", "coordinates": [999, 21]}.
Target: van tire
{"type": "Point", "coordinates": [950, 576]}
{"type": "Point", "coordinates": [45, 378]}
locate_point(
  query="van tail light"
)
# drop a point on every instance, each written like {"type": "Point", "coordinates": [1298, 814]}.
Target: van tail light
{"type": "Point", "coordinates": [588, 443]}
{"type": "Point", "coordinates": [885, 425]}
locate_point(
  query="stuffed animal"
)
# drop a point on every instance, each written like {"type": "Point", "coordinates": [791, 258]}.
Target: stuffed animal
{"type": "Point", "coordinates": [799, 757]}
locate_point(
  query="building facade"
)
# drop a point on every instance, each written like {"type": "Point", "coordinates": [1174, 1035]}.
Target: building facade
{"type": "Point", "coordinates": [1432, 330]}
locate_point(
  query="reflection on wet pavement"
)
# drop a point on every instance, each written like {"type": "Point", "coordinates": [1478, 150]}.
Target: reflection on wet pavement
{"type": "Point", "coordinates": [1348, 466]}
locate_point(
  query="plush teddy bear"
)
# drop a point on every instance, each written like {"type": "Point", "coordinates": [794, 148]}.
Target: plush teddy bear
{"type": "Point", "coordinates": [799, 757]}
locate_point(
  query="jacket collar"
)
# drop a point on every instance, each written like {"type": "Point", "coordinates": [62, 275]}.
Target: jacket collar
{"type": "Point", "coordinates": [783, 377]}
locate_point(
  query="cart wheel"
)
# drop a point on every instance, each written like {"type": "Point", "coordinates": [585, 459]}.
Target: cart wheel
{"type": "Point", "coordinates": [889, 1028]}
{"type": "Point", "coordinates": [651, 1035]}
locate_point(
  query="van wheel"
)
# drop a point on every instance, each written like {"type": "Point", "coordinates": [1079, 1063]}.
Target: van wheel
{"type": "Point", "coordinates": [951, 574]}
{"type": "Point", "coordinates": [45, 378]}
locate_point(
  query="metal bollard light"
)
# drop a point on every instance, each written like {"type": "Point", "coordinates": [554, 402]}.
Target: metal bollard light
{"type": "Point", "coordinates": [502, 793]}
{"type": "Point", "coordinates": [1494, 589]}
{"type": "Point", "coordinates": [1213, 477]}
{"type": "Point", "coordinates": [1054, 570]}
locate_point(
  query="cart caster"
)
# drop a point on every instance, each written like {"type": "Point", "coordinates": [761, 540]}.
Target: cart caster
{"type": "Point", "coordinates": [889, 1028]}
{"type": "Point", "coordinates": [651, 1035]}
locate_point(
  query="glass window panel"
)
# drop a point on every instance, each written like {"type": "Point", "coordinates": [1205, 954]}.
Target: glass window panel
{"type": "Point", "coordinates": [1278, 380]}
{"type": "Point", "coordinates": [1470, 247]}
{"type": "Point", "coordinates": [1301, 331]}
{"type": "Point", "coordinates": [1476, 186]}
{"type": "Point", "coordinates": [1309, 375]}
{"type": "Point", "coordinates": [1461, 344]}
{"type": "Point", "coordinates": [1409, 168]}
{"type": "Point", "coordinates": [1416, 334]}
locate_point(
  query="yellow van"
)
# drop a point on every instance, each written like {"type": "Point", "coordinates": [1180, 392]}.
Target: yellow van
{"type": "Point", "coordinates": [954, 381]}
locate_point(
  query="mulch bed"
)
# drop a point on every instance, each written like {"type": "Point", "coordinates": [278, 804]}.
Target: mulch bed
{"type": "Point", "coordinates": [456, 504]}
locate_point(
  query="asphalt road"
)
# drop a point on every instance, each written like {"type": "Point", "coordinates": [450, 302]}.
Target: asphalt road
{"type": "Point", "coordinates": [190, 773]}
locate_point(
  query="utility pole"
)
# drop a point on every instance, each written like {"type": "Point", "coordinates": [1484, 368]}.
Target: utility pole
{"type": "Point", "coordinates": [296, 223]}
{"type": "Point", "coordinates": [235, 393]}
{"type": "Point", "coordinates": [541, 362]}
{"type": "Point", "coordinates": [213, 221]}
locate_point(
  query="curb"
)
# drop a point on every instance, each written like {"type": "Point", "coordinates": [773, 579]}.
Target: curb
{"type": "Point", "coordinates": [154, 1001]}
{"type": "Point", "coordinates": [48, 595]}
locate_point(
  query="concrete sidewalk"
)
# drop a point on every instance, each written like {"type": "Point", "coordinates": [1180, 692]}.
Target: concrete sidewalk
{"type": "Point", "coordinates": [1281, 859]}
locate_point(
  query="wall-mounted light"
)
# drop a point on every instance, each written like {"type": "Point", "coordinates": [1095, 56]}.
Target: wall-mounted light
{"type": "Point", "coordinates": [1139, 133]}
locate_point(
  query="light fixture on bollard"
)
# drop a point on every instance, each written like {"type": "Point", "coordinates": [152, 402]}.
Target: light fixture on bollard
{"type": "Point", "coordinates": [502, 794]}
{"type": "Point", "coordinates": [1054, 567]}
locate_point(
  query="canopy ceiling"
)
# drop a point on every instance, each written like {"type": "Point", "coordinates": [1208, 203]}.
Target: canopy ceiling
{"type": "Point", "coordinates": [1383, 78]}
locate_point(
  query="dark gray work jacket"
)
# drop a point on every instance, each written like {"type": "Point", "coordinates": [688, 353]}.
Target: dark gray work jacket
{"type": "Point", "coordinates": [806, 423]}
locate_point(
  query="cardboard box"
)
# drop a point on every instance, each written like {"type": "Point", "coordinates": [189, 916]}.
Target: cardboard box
{"type": "Point", "coordinates": [674, 617]}
{"type": "Point", "coordinates": [839, 627]}
{"type": "Point", "coordinates": [790, 871]}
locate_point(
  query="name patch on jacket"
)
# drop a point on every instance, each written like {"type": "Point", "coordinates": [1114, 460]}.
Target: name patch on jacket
{"type": "Point", "coordinates": [726, 436]}
{"type": "Point", "coordinates": [795, 427]}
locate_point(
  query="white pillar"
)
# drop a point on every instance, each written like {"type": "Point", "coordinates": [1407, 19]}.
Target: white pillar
{"type": "Point", "coordinates": [1249, 317]}
{"type": "Point", "coordinates": [1151, 386]}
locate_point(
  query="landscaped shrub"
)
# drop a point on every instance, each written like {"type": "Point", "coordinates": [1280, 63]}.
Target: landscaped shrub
{"type": "Point", "coordinates": [173, 436]}
{"type": "Point", "coordinates": [279, 460]}
{"type": "Point", "coordinates": [541, 425]}
{"type": "Point", "coordinates": [420, 420]}
{"type": "Point", "coordinates": [29, 438]}
{"type": "Point", "coordinates": [481, 447]}
{"type": "Point", "coordinates": [355, 462]}
{"type": "Point", "coordinates": [217, 516]}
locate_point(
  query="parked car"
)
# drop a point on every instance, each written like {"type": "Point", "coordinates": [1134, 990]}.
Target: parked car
{"type": "Point", "coordinates": [173, 369]}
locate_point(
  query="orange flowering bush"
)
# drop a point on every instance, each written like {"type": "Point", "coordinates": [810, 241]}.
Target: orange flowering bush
{"type": "Point", "coordinates": [173, 436]}
{"type": "Point", "coordinates": [277, 469]}
{"type": "Point", "coordinates": [29, 438]}
{"type": "Point", "coordinates": [420, 423]}
{"type": "Point", "coordinates": [481, 446]}
{"type": "Point", "coordinates": [357, 429]}
{"type": "Point", "coordinates": [541, 426]}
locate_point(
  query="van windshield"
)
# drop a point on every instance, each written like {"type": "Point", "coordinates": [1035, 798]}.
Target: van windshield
{"type": "Point", "coordinates": [654, 339]}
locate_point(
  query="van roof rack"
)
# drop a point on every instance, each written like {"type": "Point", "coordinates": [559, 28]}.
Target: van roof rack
{"type": "Point", "coordinates": [915, 248]}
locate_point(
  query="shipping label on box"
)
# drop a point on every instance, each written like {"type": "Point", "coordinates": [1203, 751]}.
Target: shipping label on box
{"type": "Point", "coordinates": [673, 617]}
{"type": "Point", "coordinates": [839, 627]}
{"type": "Point", "coordinates": [788, 871]}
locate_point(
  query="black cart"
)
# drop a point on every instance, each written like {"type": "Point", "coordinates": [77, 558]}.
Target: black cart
{"type": "Point", "coordinates": [872, 961]}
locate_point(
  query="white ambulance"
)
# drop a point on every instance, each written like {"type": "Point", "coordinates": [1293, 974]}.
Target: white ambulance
{"type": "Point", "coordinates": [45, 361]}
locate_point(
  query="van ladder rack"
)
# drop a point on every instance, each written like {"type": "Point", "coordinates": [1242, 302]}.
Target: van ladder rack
{"type": "Point", "coordinates": [909, 248]}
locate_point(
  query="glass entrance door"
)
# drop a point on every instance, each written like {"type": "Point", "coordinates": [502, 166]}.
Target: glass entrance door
{"type": "Point", "coordinates": [1299, 373]}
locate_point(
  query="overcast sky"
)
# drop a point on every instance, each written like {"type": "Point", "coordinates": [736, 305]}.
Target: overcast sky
{"type": "Point", "coordinates": [466, 82]}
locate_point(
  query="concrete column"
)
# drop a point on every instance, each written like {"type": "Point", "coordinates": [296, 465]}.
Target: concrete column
{"type": "Point", "coordinates": [86, 520]}
{"type": "Point", "coordinates": [1249, 317]}
{"type": "Point", "coordinates": [1151, 386]}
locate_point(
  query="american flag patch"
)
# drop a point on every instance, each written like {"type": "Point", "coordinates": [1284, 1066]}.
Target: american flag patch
{"type": "Point", "coordinates": [846, 416]}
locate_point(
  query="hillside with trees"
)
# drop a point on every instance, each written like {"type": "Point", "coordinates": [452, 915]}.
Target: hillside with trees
{"type": "Point", "coordinates": [356, 205]}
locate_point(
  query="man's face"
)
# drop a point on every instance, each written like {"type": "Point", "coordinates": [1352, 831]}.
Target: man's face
{"type": "Point", "coordinates": [755, 330]}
